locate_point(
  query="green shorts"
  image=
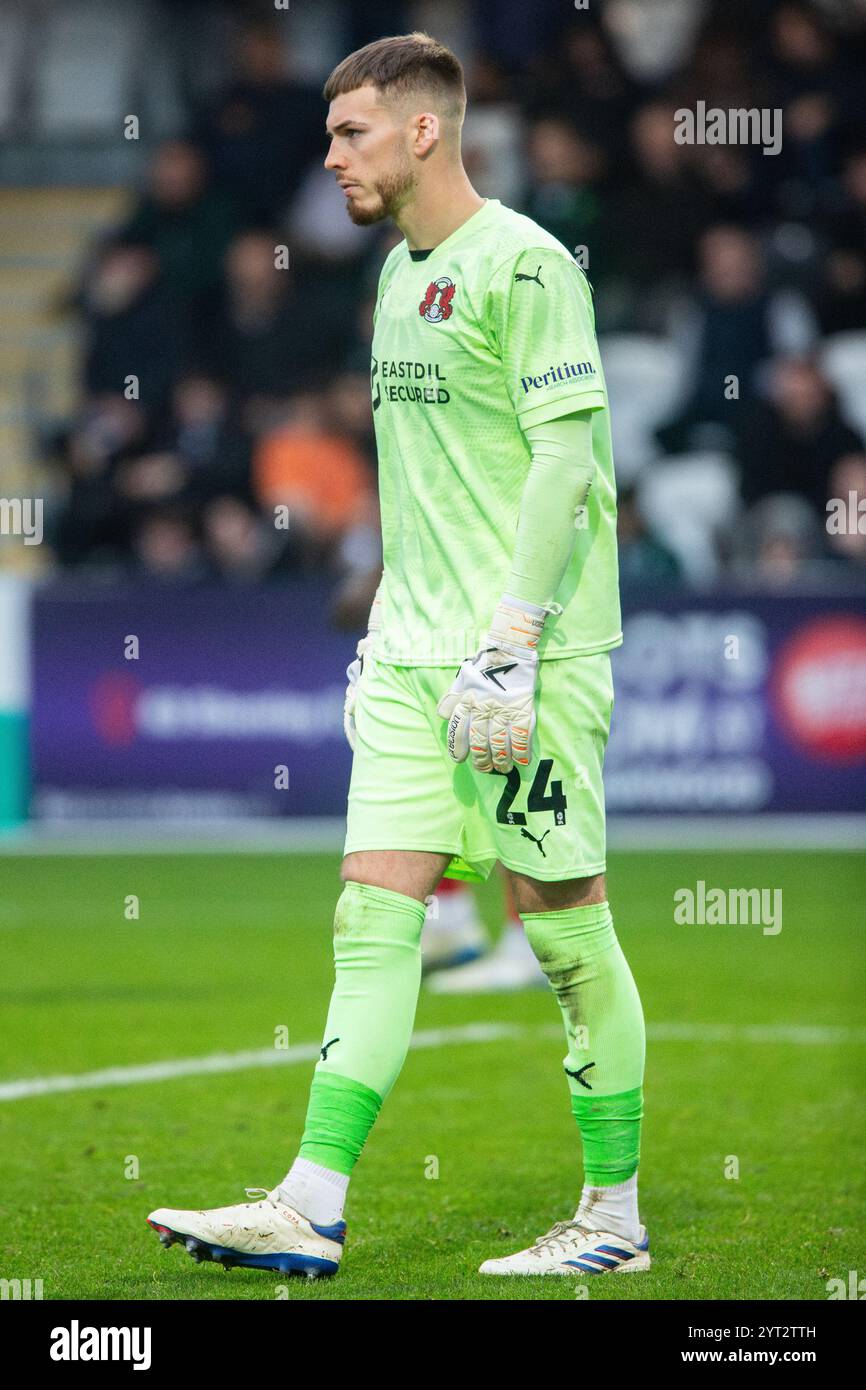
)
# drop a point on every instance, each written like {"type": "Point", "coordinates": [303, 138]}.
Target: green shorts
{"type": "Point", "coordinates": [546, 820]}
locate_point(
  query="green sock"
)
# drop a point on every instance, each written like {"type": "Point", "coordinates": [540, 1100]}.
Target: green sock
{"type": "Point", "coordinates": [604, 1027]}
{"type": "Point", "coordinates": [377, 958]}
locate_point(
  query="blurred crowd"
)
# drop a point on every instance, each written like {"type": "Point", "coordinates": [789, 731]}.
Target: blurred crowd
{"type": "Point", "coordinates": [226, 326]}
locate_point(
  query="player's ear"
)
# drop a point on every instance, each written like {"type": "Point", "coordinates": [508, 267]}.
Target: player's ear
{"type": "Point", "coordinates": [428, 130]}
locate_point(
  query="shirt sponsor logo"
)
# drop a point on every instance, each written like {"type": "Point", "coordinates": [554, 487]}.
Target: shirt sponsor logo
{"type": "Point", "coordinates": [553, 375]}
{"type": "Point", "coordinates": [424, 382]}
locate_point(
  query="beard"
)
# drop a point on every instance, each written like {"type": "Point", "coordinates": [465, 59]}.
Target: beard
{"type": "Point", "coordinates": [392, 191]}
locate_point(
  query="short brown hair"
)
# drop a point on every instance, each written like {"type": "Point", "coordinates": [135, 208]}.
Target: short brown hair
{"type": "Point", "coordinates": [400, 65]}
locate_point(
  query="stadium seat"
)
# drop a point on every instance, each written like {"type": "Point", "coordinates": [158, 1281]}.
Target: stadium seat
{"type": "Point", "coordinates": [843, 358]}
{"type": "Point", "coordinates": [13, 38]}
{"type": "Point", "coordinates": [645, 380]}
{"type": "Point", "coordinates": [688, 500]}
{"type": "Point", "coordinates": [655, 38]}
{"type": "Point", "coordinates": [44, 236]}
{"type": "Point", "coordinates": [493, 144]}
{"type": "Point", "coordinates": [88, 66]}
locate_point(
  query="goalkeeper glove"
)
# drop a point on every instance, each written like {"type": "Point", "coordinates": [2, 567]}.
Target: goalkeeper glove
{"type": "Point", "coordinates": [490, 708]}
{"type": "Point", "coordinates": [354, 669]}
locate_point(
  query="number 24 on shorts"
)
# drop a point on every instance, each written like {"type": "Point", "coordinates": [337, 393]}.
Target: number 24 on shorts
{"type": "Point", "coordinates": [538, 798]}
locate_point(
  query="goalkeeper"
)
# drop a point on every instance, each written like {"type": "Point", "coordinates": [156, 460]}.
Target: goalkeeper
{"type": "Point", "coordinates": [480, 701]}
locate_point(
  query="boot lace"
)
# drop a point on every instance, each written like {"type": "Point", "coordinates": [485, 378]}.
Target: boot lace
{"type": "Point", "coordinates": [558, 1237]}
{"type": "Point", "coordinates": [263, 1194]}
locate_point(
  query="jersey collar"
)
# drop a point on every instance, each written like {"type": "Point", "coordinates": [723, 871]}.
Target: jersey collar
{"type": "Point", "coordinates": [459, 232]}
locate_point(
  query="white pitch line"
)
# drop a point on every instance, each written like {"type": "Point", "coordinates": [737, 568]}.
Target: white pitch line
{"type": "Point", "coordinates": [220, 1062]}
{"type": "Point", "coordinates": [802, 1034]}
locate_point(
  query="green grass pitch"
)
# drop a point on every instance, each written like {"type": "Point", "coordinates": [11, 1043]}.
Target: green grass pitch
{"type": "Point", "coordinates": [228, 948]}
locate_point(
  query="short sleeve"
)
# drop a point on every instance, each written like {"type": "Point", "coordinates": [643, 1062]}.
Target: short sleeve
{"type": "Point", "coordinates": [539, 320]}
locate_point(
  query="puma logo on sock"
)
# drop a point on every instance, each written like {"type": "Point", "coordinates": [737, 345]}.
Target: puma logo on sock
{"type": "Point", "coordinates": [578, 1075]}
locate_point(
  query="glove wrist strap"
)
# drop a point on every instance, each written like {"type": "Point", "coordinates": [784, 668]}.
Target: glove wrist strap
{"type": "Point", "coordinates": [517, 626]}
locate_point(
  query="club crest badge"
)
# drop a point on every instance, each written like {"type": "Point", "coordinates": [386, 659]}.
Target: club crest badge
{"type": "Point", "coordinates": [435, 307]}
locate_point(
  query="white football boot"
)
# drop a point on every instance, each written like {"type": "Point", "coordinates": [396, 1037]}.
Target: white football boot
{"type": "Point", "coordinates": [509, 966]}
{"type": "Point", "coordinates": [571, 1247]}
{"type": "Point", "coordinates": [453, 932]}
{"type": "Point", "coordinates": [266, 1234]}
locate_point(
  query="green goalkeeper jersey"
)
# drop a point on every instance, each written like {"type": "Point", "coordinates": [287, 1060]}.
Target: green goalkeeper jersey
{"type": "Point", "coordinates": [490, 332]}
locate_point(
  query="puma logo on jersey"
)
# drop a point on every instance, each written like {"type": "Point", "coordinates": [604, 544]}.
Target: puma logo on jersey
{"type": "Point", "coordinates": [536, 277]}
{"type": "Point", "coordinates": [325, 1046]}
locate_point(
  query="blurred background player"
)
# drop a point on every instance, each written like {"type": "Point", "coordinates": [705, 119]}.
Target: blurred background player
{"type": "Point", "coordinates": [459, 957]}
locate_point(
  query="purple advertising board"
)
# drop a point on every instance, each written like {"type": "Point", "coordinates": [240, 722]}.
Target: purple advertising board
{"type": "Point", "coordinates": [733, 703]}
{"type": "Point", "coordinates": [199, 702]}
{"type": "Point", "coordinates": [188, 702]}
